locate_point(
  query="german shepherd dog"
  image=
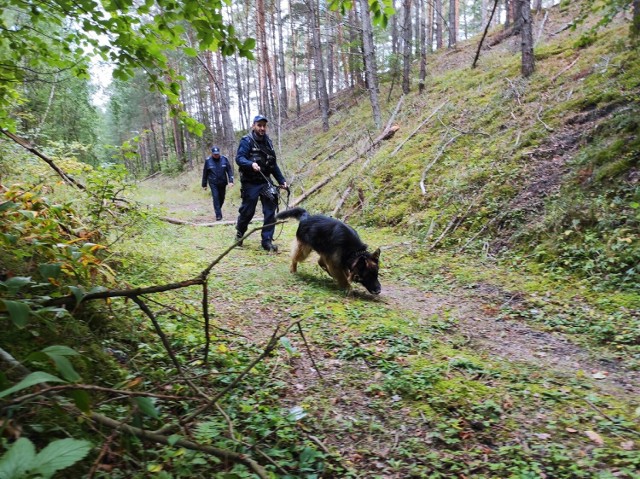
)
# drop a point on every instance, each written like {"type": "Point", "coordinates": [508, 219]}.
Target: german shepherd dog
{"type": "Point", "coordinates": [342, 254]}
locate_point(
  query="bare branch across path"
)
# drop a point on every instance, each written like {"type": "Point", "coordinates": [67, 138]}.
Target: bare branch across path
{"type": "Point", "coordinates": [27, 146]}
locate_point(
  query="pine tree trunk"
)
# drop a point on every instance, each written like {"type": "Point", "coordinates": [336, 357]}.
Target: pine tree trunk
{"type": "Point", "coordinates": [331, 71]}
{"type": "Point", "coordinates": [429, 39]}
{"type": "Point", "coordinates": [423, 49]}
{"type": "Point", "coordinates": [526, 35]}
{"type": "Point", "coordinates": [538, 6]}
{"type": "Point", "coordinates": [406, 46]}
{"type": "Point", "coordinates": [417, 23]}
{"type": "Point", "coordinates": [282, 75]}
{"type": "Point", "coordinates": [343, 57]}
{"type": "Point", "coordinates": [394, 31]}
{"type": "Point", "coordinates": [509, 6]}
{"type": "Point", "coordinates": [354, 65]}
{"type": "Point", "coordinates": [370, 67]}
{"type": "Point", "coordinates": [228, 131]}
{"type": "Point", "coordinates": [294, 66]}
{"type": "Point", "coordinates": [323, 97]}
{"type": "Point", "coordinates": [242, 106]}
{"type": "Point", "coordinates": [439, 24]}
{"type": "Point", "coordinates": [216, 127]}
{"type": "Point", "coordinates": [263, 58]}
{"type": "Point", "coordinates": [453, 22]}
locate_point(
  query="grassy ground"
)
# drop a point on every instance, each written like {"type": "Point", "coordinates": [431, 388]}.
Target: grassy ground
{"type": "Point", "coordinates": [435, 378]}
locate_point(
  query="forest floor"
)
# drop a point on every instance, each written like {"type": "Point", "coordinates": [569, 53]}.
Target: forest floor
{"type": "Point", "coordinates": [432, 372]}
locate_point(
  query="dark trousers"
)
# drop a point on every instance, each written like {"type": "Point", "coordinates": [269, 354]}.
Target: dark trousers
{"type": "Point", "coordinates": [250, 193]}
{"type": "Point", "coordinates": [218, 193]}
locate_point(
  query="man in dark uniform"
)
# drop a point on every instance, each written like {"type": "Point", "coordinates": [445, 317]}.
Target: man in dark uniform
{"type": "Point", "coordinates": [256, 160]}
{"type": "Point", "coordinates": [218, 172]}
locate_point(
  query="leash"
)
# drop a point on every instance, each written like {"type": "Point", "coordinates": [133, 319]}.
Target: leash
{"type": "Point", "coordinates": [275, 192]}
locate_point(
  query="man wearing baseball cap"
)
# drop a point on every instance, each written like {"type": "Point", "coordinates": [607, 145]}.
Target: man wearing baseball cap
{"type": "Point", "coordinates": [256, 160]}
{"type": "Point", "coordinates": [217, 172]}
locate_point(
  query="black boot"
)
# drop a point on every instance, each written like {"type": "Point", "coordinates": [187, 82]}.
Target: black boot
{"type": "Point", "coordinates": [239, 238]}
{"type": "Point", "coordinates": [269, 246]}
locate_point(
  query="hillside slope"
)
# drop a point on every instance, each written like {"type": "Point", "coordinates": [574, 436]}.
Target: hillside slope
{"type": "Point", "coordinates": [544, 168]}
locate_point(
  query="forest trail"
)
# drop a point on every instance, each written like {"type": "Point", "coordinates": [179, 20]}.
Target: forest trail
{"type": "Point", "coordinates": [476, 311]}
{"type": "Point", "coordinates": [439, 365]}
{"type": "Point", "coordinates": [478, 315]}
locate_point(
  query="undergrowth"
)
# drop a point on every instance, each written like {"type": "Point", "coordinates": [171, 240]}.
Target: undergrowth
{"type": "Point", "coordinates": [525, 188]}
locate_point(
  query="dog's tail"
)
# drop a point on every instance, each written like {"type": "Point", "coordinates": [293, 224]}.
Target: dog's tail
{"type": "Point", "coordinates": [297, 213]}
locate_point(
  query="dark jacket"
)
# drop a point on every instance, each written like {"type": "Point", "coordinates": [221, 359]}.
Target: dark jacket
{"type": "Point", "coordinates": [250, 151]}
{"type": "Point", "coordinates": [217, 172]}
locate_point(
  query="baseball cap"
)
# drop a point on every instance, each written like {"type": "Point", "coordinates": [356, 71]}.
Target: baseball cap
{"type": "Point", "coordinates": [258, 118]}
{"type": "Point", "coordinates": [215, 150]}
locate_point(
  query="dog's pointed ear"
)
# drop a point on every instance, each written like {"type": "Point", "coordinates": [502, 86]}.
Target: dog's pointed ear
{"type": "Point", "coordinates": [376, 254]}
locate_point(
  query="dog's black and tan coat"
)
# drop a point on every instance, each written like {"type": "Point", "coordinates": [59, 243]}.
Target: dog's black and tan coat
{"type": "Point", "coordinates": [342, 254]}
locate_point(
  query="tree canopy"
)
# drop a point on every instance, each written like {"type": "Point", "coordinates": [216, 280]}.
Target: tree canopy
{"type": "Point", "coordinates": [41, 39]}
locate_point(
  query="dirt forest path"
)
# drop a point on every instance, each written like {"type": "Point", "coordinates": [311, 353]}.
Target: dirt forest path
{"type": "Point", "coordinates": [513, 341]}
{"type": "Point", "coordinates": [431, 374]}
{"type": "Point", "coordinates": [477, 313]}
{"type": "Point", "coordinates": [316, 376]}
{"type": "Point", "coordinates": [479, 322]}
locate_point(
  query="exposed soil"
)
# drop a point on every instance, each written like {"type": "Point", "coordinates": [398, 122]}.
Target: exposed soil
{"type": "Point", "coordinates": [514, 341]}
{"type": "Point", "coordinates": [316, 375]}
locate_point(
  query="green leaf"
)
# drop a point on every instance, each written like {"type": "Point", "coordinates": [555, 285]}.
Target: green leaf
{"type": "Point", "coordinates": [287, 345]}
{"type": "Point", "coordinates": [7, 205]}
{"type": "Point", "coordinates": [82, 400]}
{"type": "Point", "coordinates": [192, 52]}
{"type": "Point", "coordinates": [32, 379]}
{"type": "Point", "coordinates": [173, 439]}
{"type": "Point", "coordinates": [60, 351]}
{"type": "Point", "coordinates": [14, 284]}
{"type": "Point", "coordinates": [78, 292]}
{"type": "Point", "coordinates": [18, 312]}
{"type": "Point", "coordinates": [64, 367]}
{"type": "Point", "coordinates": [59, 455]}
{"type": "Point", "coordinates": [146, 406]}
{"type": "Point", "coordinates": [13, 465]}
{"type": "Point", "coordinates": [51, 270]}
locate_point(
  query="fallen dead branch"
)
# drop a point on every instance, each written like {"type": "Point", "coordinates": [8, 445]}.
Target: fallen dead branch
{"type": "Point", "coordinates": [547, 127]}
{"type": "Point", "coordinates": [343, 198]}
{"type": "Point", "coordinates": [433, 162]}
{"type": "Point", "coordinates": [540, 30]}
{"type": "Point", "coordinates": [161, 439]}
{"type": "Point", "coordinates": [455, 222]}
{"type": "Point", "coordinates": [90, 387]}
{"type": "Point", "coordinates": [157, 173]}
{"type": "Point", "coordinates": [568, 67]}
{"type": "Point", "coordinates": [424, 122]}
{"type": "Point", "coordinates": [175, 221]}
{"type": "Point", "coordinates": [484, 34]}
{"type": "Point", "coordinates": [27, 146]}
{"type": "Point", "coordinates": [142, 433]}
{"type": "Point", "coordinates": [385, 135]}
{"type": "Point", "coordinates": [271, 345]}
